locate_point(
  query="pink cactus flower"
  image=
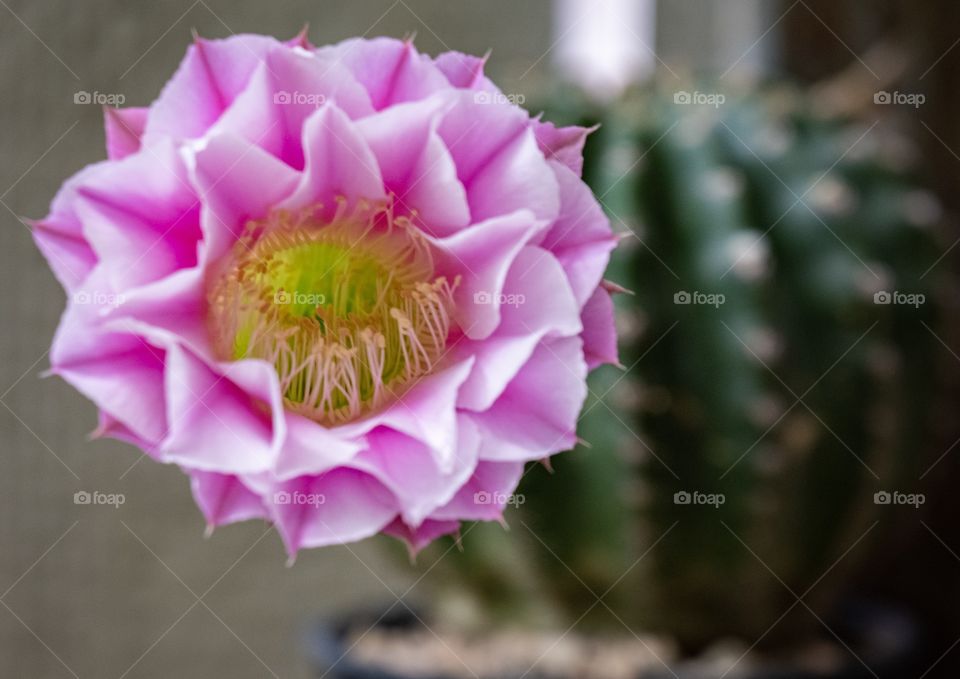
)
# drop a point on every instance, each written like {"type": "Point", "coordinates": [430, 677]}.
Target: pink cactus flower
{"type": "Point", "coordinates": [348, 289]}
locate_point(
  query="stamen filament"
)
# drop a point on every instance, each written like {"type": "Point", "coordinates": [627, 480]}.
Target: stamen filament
{"type": "Point", "coordinates": [346, 310]}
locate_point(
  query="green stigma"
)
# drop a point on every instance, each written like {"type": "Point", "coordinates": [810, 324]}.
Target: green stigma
{"type": "Point", "coordinates": [346, 310]}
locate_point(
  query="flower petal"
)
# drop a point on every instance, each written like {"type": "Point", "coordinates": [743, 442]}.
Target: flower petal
{"type": "Point", "coordinates": [283, 92]}
{"type": "Point", "coordinates": [224, 499]}
{"type": "Point", "coordinates": [237, 181]}
{"type": "Point", "coordinates": [411, 471]}
{"type": "Point", "coordinates": [214, 424]}
{"type": "Point", "coordinates": [481, 256]}
{"type": "Point", "coordinates": [110, 427]}
{"type": "Point", "coordinates": [209, 78]}
{"type": "Point", "coordinates": [498, 160]}
{"type": "Point", "coordinates": [426, 412]}
{"type": "Point", "coordinates": [141, 216]}
{"type": "Point", "coordinates": [339, 163]}
{"type": "Point", "coordinates": [422, 535]}
{"type": "Point", "coordinates": [563, 144]}
{"type": "Point", "coordinates": [123, 127]}
{"type": "Point", "coordinates": [599, 330]}
{"type": "Point", "coordinates": [538, 302]}
{"type": "Point", "coordinates": [342, 505]}
{"type": "Point", "coordinates": [485, 495]}
{"type": "Point", "coordinates": [391, 70]}
{"type": "Point", "coordinates": [464, 71]}
{"type": "Point", "coordinates": [59, 235]}
{"type": "Point", "coordinates": [120, 372]}
{"type": "Point", "coordinates": [311, 449]}
{"type": "Point", "coordinates": [171, 310]}
{"type": "Point", "coordinates": [536, 416]}
{"type": "Point", "coordinates": [581, 237]}
{"type": "Point", "coordinates": [420, 171]}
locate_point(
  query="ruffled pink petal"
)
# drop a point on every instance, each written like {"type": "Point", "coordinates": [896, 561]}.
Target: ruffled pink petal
{"type": "Point", "coordinates": [311, 449]}
{"type": "Point", "coordinates": [581, 237]}
{"type": "Point", "coordinates": [342, 505]}
{"type": "Point", "coordinates": [60, 237]}
{"type": "Point", "coordinates": [422, 535]}
{"type": "Point", "coordinates": [123, 127]}
{"type": "Point", "coordinates": [171, 310]}
{"type": "Point", "coordinates": [599, 330]}
{"type": "Point", "coordinates": [258, 379]}
{"type": "Point", "coordinates": [284, 90]}
{"type": "Point", "coordinates": [141, 216]}
{"type": "Point", "coordinates": [110, 427]}
{"type": "Point", "coordinates": [563, 144]}
{"type": "Point", "coordinates": [498, 160]}
{"type": "Point", "coordinates": [391, 70]}
{"type": "Point", "coordinates": [124, 381]}
{"type": "Point", "coordinates": [237, 181]}
{"type": "Point", "coordinates": [484, 497]}
{"type": "Point", "coordinates": [214, 424]}
{"type": "Point", "coordinates": [224, 499]}
{"type": "Point", "coordinates": [536, 415]}
{"type": "Point", "coordinates": [464, 71]}
{"type": "Point", "coordinates": [426, 412]}
{"type": "Point", "coordinates": [210, 77]}
{"type": "Point", "coordinates": [420, 171]}
{"type": "Point", "coordinates": [412, 471]}
{"type": "Point", "coordinates": [481, 256]}
{"type": "Point", "coordinates": [119, 372]}
{"type": "Point", "coordinates": [339, 163]}
{"type": "Point", "coordinates": [538, 302]}
{"type": "Point", "coordinates": [301, 40]}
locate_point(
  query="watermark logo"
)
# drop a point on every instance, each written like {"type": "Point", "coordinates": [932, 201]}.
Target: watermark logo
{"type": "Point", "coordinates": [83, 497]}
{"type": "Point", "coordinates": [499, 98]}
{"type": "Point", "coordinates": [886, 497]}
{"type": "Point", "coordinates": [99, 98]}
{"type": "Point", "coordinates": [283, 497]}
{"type": "Point", "coordinates": [97, 298]}
{"type": "Point", "coordinates": [483, 497]}
{"type": "Point", "coordinates": [306, 298]}
{"type": "Point", "coordinates": [714, 299]}
{"type": "Point", "coordinates": [684, 98]}
{"type": "Point", "coordinates": [885, 98]}
{"type": "Point", "coordinates": [484, 297]}
{"type": "Point", "coordinates": [685, 497]}
{"type": "Point", "coordinates": [298, 98]}
{"type": "Point", "coordinates": [914, 299]}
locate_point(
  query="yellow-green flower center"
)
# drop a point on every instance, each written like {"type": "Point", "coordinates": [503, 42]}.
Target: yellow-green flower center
{"type": "Point", "coordinates": [346, 309]}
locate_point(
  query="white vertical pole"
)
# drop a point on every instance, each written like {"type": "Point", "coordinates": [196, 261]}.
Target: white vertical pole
{"type": "Point", "coordinates": [604, 45]}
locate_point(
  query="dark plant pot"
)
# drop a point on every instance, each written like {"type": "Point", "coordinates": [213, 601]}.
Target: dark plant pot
{"type": "Point", "coordinates": [885, 639]}
{"type": "Point", "coordinates": [329, 649]}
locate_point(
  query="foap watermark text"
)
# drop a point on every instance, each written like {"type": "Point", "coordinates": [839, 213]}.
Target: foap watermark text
{"type": "Point", "coordinates": [83, 497]}
{"type": "Point", "coordinates": [483, 497]}
{"type": "Point", "coordinates": [513, 300]}
{"type": "Point", "coordinates": [914, 299]}
{"type": "Point", "coordinates": [99, 98]}
{"type": "Point", "coordinates": [714, 299]}
{"type": "Point", "coordinates": [283, 497]}
{"type": "Point", "coordinates": [297, 98]}
{"type": "Point", "coordinates": [684, 98]}
{"type": "Point", "coordinates": [310, 298]}
{"type": "Point", "coordinates": [696, 497]}
{"type": "Point", "coordinates": [915, 99]}
{"type": "Point", "coordinates": [886, 497]}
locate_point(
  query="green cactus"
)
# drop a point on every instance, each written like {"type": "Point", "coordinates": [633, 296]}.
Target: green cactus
{"type": "Point", "coordinates": [759, 368]}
